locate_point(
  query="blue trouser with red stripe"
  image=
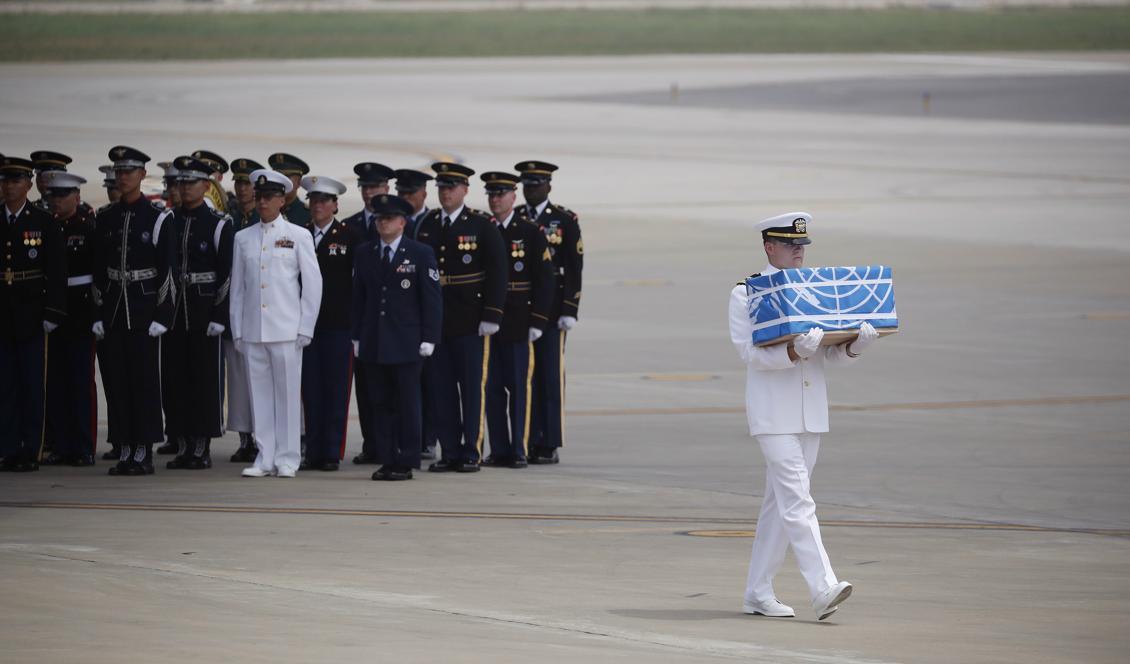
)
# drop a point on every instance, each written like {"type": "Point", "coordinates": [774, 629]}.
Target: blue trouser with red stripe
{"type": "Point", "coordinates": [327, 376]}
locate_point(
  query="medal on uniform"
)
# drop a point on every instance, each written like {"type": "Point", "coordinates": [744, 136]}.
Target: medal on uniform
{"type": "Point", "coordinates": [405, 283]}
{"type": "Point", "coordinates": [519, 266]}
{"type": "Point", "coordinates": [466, 259]}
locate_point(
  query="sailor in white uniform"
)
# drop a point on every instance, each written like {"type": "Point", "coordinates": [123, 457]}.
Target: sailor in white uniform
{"type": "Point", "coordinates": [787, 409]}
{"type": "Point", "coordinates": [276, 290]}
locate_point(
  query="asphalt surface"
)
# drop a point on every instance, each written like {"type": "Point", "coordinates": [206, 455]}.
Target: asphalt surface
{"type": "Point", "coordinates": [973, 486]}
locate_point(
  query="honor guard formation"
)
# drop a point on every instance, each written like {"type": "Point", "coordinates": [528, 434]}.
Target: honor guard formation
{"type": "Point", "coordinates": [450, 322]}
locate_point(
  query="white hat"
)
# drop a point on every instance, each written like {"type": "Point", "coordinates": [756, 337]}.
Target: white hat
{"type": "Point", "coordinates": [265, 178]}
{"type": "Point", "coordinates": [790, 228]}
{"type": "Point", "coordinates": [62, 180]}
{"type": "Point", "coordinates": [320, 184]}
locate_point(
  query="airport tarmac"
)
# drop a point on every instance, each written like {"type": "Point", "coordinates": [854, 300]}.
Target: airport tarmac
{"type": "Point", "coordinates": [973, 487]}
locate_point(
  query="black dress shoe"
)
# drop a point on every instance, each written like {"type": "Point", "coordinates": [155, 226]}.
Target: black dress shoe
{"type": "Point", "coordinates": [53, 459]}
{"type": "Point", "coordinates": [496, 461]}
{"type": "Point", "coordinates": [81, 460]}
{"type": "Point", "coordinates": [544, 457]}
{"type": "Point", "coordinates": [26, 467]}
{"type": "Point", "coordinates": [305, 465]}
{"type": "Point", "coordinates": [327, 466]}
{"type": "Point", "coordinates": [9, 465]}
{"type": "Point", "coordinates": [517, 463]}
{"type": "Point", "coordinates": [120, 468]}
{"type": "Point", "coordinates": [113, 455]}
{"type": "Point", "coordinates": [245, 455]}
{"type": "Point", "coordinates": [444, 466]}
{"type": "Point", "coordinates": [178, 462]}
{"type": "Point", "coordinates": [469, 467]}
{"type": "Point", "coordinates": [428, 453]}
{"type": "Point", "coordinates": [399, 474]}
{"type": "Point", "coordinates": [381, 474]}
{"type": "Point", "coordinates": [168, 447]}
{"type": "Point", "coordinates": [363, 459]}
{"type": "Point", "coordinates": [199, 462]}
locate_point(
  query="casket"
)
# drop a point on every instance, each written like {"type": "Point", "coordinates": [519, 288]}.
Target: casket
{"type": "Point", "coordinates": [790, 302]}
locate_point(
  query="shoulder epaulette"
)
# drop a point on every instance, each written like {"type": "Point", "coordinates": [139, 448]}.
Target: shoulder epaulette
{"type": "Point", "coordinates": [742, 282]}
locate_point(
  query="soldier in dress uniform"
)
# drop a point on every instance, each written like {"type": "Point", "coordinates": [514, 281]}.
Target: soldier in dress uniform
{"type": "Point", "coordinates": [473, 271]}
{"type": "Point", "coordinates": [327, 363]}
{"type": "Point", "coordinates": [72, 403]}
{"type": "Point", "coordinates": [412, 186]}
{"type": "Point", "coordinates": [243, 214]}
{"type": "Point", "coordinates": [529, 294]}
{"type": "Point", "coordinates": [372, 180]}
{"type": "Point", "coordinates": [787, 410]}
{"type": "Point", "coordinates": [397, 312]}
{"type": "Point", "coordinates": [275, 294]}
{"type": "Point", "coordinates": [133, 260]}
{"type": "Point", "coordinates": [191, 352]}
{"type": "Point", "coordinates": [171, 197]}
{"type": "Point", "coordinates": [220, 166]}
{"type": "Point", "coordinates": [294, 168]}
{"type": "Point", "coordinates": [33, 272]}
{"type": "Point", "coordinates": [563, 233]}
{"type": "Point", "coordinates": [110, 184]}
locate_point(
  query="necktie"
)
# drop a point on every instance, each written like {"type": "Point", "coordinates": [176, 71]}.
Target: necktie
{"type": "Point", "coordinates": [317, 238]}
{"type": "Point", "coordinates": [387, 256]}
{"type": "Point", "coordinates": [11, 219]}
{"type": "Point", "coordinates": [447, 221]}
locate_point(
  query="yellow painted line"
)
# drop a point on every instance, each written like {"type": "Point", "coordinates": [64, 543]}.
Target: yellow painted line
{"type": "Point", "coordinates": [1107, 315]}
{"type": "Point", "coordinates": [745, 531]}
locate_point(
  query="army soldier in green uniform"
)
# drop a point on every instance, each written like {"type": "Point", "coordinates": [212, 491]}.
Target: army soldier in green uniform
{"type": "Point", "coordinates": [563, 233]}
{"type": "Point", "coordinates": [294, 168]}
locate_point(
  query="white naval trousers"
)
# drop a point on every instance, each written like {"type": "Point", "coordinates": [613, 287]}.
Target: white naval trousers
{"type": "Point", "coordinates": [788, 517]}
{"type": "Point", "coordinates": [239, 390]}
{"type": "Point", "coordinates": [275, 372]}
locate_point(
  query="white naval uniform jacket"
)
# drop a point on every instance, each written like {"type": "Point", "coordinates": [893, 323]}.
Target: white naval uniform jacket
{"type": "Point", "coordinates": [781, 396]}
{"type": "Point", "coordinates": [268, 302]}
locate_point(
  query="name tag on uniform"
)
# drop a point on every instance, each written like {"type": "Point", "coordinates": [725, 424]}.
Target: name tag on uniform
{"type": "Point", "coordinates": [337, 249]}
{"type": "Point", "coordinates": [76, 240]}
{"type": "Point", "coordinates": [284, 243]}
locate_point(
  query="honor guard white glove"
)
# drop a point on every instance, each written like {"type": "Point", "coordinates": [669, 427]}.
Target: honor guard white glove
{"type": "Point", "coordinates": [98, 329]}
{"type": "Point", "coordinates": [215, 329]}
{"type": "Point", "coordinates": [426, 349]}
{"type": "Point", "coordinates": [808, 343]}
{"type": "Point", "coordinates": [867, 336]}
{"type": "Point", "coordinates": [566, 323]}
{"type": "Point", "coordinates": [237, 344]}
{"type": "Point", "coordinates": [156, 329]}
{"type": "Point", "coordinates": [486, 329]}
{"type": "Point", "coordinates": [356, 348]}
{"type": "Point", "coordinates": [535, 334]}
{"type": "Point", "coordinates": [302, 341]}
{"type": "Point", "coordinates": [49, 327]}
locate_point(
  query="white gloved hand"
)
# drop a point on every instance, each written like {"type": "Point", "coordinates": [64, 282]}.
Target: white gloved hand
{"type": "Point", "coordinates": [486, 329]}
{"type": "Point", "coordinates": [49, 327]}
{"type": "Point", "coordinates": [156, 329]}
{"type": "Point", "coordinates": [535, 334]}
{"type": "Point", "coordinates": [98, 329]}
{"type": "Point", "coordinates": [356, 348]}
{"type": "Point", "coordinates": [302, 341]}
{"type": "Point", "coordinates": [867, 336]}
{"type": "Point", "coordinates": [566, 323]}
{"type": "Point", "coordinates": [215, 329]}
{"type": "Point", "coordinates": [237, 344]}
{"type": "Point", "coordinates": [808, 343]}
{"type": "Point", "coordinates": [426, 349]}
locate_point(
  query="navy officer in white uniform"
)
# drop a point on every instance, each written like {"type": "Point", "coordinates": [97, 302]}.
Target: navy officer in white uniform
{"type": "Point", "coordinates": [787, 409]}
{"type": "Point", "coordinates": [276, 291]}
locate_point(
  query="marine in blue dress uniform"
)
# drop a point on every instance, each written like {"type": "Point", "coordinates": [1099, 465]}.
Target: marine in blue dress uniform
{"type": "Point", "coordinates": [397, 312]}
{"type": "Point", "coordinates": [72, 403]}
{"type": "Point", "coordinates": [473, 271]}
{"type": "Point", "coordinates": [191, 351]}
{"type": "Point", "coordinates": [133, 259]}
{"type": "Point", "coordinates": [563, 234]}
{"type": "Point", "coordinates": [33, 275]}
{"type": "Point", "coordinates": [529, 293]}
{"type": "Point", "coordinates": [327, 363]}
{"type": "Point", "coordinates": [294, 168]}
{"type": "Point", "coordinates": [372, 180]}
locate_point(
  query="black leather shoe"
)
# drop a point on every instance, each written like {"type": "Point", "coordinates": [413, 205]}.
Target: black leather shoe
{"type": "Point", "coordinates": [381, 474]}
{"type": "Point", "coordinates": [53, 459]}
{"type": "Point", "coordinates": [199, 462]}
{"type": "Point", "coordinates": [113, 455]}
{"type": "Point", "coordinates": [363, 459]}
{"type": "Point", "coordinates": [178, 462]}
{"type": "Point", "coordinates": [469, 467]}
{"type": "Point", "coordinates": [399, 474]}
{"type": "Point", "coordinates": [496, 461]}
{"type": "Point", "coordinates": [26, 467]}
{"type": "Point", "coordinates": [119, 468]}
{"type": "Point", "coordinates": [9, 465]}
{"type": "Point", "coordinates": [168, 447]}
{"type": "Point", "coordinates": [244, 455]}
{"type": "Point", "coordinates": [444, 466]}
{"type": "Point", "coordinates": [544, 457]}
{"type": "Point", "coordinates": [428, 453]}
{"type": "Point", "coordinates": [305, 465]}
{"type": "Point", "coordinates": [517, 463]}
{"type": "Point", "coordinates": [328, 466]}
{"type": "Point", "coordinates": [81, 460]}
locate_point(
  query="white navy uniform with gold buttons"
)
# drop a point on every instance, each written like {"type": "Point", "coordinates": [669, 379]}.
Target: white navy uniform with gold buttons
{"type": "Point", "coordinates": [787, 410]}
{"type": "Point", "coordinates": [270, 309]}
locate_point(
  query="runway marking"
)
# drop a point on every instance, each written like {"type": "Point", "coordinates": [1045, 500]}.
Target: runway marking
{"type": "Point", "coordinates": [519, 516]}
{"type": "Point", "coordinates": [920, 405]}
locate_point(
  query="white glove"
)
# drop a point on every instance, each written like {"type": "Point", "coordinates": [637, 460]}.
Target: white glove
{"type": "Point", "coordinates": [98, 329]}
{"type": "Point", "coordinates": [867, 336]}
{"type": "Point", "coordinates": [807, 344]}
{"type": "Point", "coordinates": [156, 329]}
{"type": "Point", "coordinates": [237, 344]}
{"type": "Point", "coordinates": [49, 327]}
{"type": "Point", "coordinates": [215, 329]}
{"type": "Point", "coordinates": [535, 334]}
{"type": "Point", "coordinates": [356, 348]}
{"type": "Point", "coordinates": [566, 323]}
{"type": "Point", "coordinates": [486, 329]}
{"type": "Point", "coordinates": [303, 341]}
{"type": "Point", "coordinates": [426, 349]}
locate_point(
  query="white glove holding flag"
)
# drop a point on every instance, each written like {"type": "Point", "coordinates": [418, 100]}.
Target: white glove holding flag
{"type": "Point", "coordinates": [426, 349]}
{"type": "Point", "coordinates": [808, 343]}
{"type": "Point", "coordinates": [49, 327]}
{"type": "Point", "coordinates": [302, 341]}
{"type": "Point", "coordinates": [356, 348]}
{"type": "Point", "coordinates": [867, 336]}
{"type": "Point", "coordinates": [566, 323]}
{"type": "Point", "coordinates": [535, 334]}
{"type": "Point", "coordinates": [486, 329]}
{"type": "Point", "coordinates": [215, 329]}
{"type": "Point", "coordinates": [156, 329]}
{"type": "Point", "coordinates": [98, 329]}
